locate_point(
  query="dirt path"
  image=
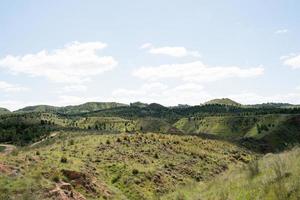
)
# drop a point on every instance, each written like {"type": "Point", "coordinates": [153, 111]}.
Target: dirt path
{"type": "Point", "coordinates": [52, 135]}
{"type": "Point", "coordinates": [8, 149]}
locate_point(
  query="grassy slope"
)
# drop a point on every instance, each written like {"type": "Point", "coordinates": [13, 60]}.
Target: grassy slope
{"type": "Point", "coordinates": [90, 107]}
{"type": "Point", "coordinates": [229, 126]}
{"type": "Point", "coordinates": [114, 124]}
{"type": "Point", "coordinates": [136, 166]}
{"type": "Point", "coordinates": [274, 177]}
{"type": "Point", "coordinates": [277, 130]}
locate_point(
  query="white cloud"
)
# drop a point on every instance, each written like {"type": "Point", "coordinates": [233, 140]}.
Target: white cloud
{"type": "Point", "coordinates": [188, 93]}
{"type": "Point", "coordinates": [74, 88]}
{"type": "Point", "coordinates": [196, 72]}
{"type": "Point", "coordinates": [293, 61]}
{"type": "Point", "coordinates": [8, 87]}
{"type": "Point", "coordinates": [75, 62]}
{"type": "Point", "coordinates": [282, 31]}
{"type": "Point", "coordinates": [170, 51]}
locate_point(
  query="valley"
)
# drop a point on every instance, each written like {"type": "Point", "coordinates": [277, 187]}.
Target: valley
{"type": "Point", "coordinates": [149, 151]}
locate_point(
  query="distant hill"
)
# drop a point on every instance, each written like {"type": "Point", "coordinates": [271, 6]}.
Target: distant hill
{"type": "Point", "coordinates": [139, 104]}
{"type": "Point", "coordinates": [264, 133]}
{"type": "Point", "coordinates": [223, 101]}
{"type": "Point", "coordinates": [273, 105]}
{"type": "Point", "coordinates": [155, 106]}
{"type": "Point", "coordinates": [4, 111]}
{"type": "Point", "coordinates": [89, 107]}
{"type": "Point", "coordinates": [83, 108]}
{"type": "Point", "coordinates": [39, 108]}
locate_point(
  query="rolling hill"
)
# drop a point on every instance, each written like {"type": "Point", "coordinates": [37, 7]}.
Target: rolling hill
{"type": "Point", "coordinates": [268, 132]}
{"type": "Point", "coordinates": [144, 151]}
{"type": "Point", "coordinates": [223, 101]}
{"type": "Point", "coordinates": [4, 111]}
{"type": "Point", "coordinates": [124, 166]}
{"type": "Point", "coordinates": [273, 176]}
{"type": "Point", "coordinates": [39, 108]}
{"type": "Point", "coordinates": [77, 109]}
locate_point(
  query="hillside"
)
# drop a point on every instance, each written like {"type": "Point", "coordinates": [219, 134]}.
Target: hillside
{"type": "Point", "coordinates": [223, 101]}
{"type": "Point", "coordinates": [126, 166]}
{"type": "Point", "coordinates": [39, 108]}
{"type": "Point", "coordinates": [77, 109]}
{"type": "Point", "coordinates": [267, 132]}
{"type": "Point", "coordinates": [273, 105]}
{"type": "Point", "coordinates": [267, 129]}
{"type": "Point", "coordinates": [274, 177]}
{"type": "Point", "coordinates": [25, 128]}
{"type": "Point", "coordinates": [90, 107]}
{"type": "Point", "coordinates": [4, 111]}
{"type": "Point", "coordinates": [136, 112]}
{"type": "Point", "coordinates": [138, 151]}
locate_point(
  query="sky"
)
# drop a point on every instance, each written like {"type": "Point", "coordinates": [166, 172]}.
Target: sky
{"type": "Point", "coordinates": [68, 52]}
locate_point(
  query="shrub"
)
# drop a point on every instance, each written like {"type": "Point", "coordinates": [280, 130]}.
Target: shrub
{"type": "Point", "coordinates": [71, 142]}
{"type": "Point", "coordinates": [56, 178]}
{"type": "Point", "coordinates": [135, 171]}
{"type": "Point", "coordinates": [118, 140]}
{"type": "Point", "coordinates": [115, 179]}
{"type": "Point", "coordinates": [63, 160]}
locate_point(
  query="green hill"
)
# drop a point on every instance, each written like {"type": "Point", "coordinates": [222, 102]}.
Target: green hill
{"type": "Point", "coordinates": [223, 101]}
{"type": "Point", "coordinates": [146, 151]}
{"type": "Point", "coordinates": [24, 128]}
{"type": "Point", "coordinates": [139, 104]}
{"type": "Point", "coordinates": [90, 107]}
{"type": "Point", "coordinates": [124, 166]}
{"type": "Point", "coordinates": [273, 177]}
{"type": "Point", "coordinates": [4, 111]}
{"type": "Point", "coordinates": [39, 108]}
{"type": "Point", "coordinates": [273, 131]}
{"type": "Point", "coordinates": [77, 109]}
{"type": "Point", "coordinates": [273, 105]}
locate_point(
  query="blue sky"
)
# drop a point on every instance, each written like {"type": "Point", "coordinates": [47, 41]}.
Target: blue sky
{"type": "Point", "coordinates": [69, 52]}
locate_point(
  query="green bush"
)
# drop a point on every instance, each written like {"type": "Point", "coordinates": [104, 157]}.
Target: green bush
{"type": "Point", "coordinates": [63, 160]}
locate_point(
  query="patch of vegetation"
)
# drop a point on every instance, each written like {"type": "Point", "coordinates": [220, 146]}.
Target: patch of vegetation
{"type": "Point", "coordinates": [265, 133]}
{"type": "Point", "coordinates": [4, 111]}
{"type": "Point", "coordinates": [2, 148]}
{"type": "Point", "coordinates": [132, 166]}
{"type": "Point", "coordinates": [275, 176]}
{"type": "Point", "coordinates": [22, 129]}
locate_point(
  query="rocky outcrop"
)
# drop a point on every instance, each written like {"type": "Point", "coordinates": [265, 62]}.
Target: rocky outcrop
{"type": "Point", "coordinates": [90, 184]}
{"type": "Point", "coordinates": [65, 191]}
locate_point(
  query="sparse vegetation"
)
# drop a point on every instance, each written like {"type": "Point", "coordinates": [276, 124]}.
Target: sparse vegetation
{"type": "Point", "coordinates": [148, 151]}
{"type": "Point", "coordinates": [142, 166]}
{"type": "Point", "coordinates": [274, 176]}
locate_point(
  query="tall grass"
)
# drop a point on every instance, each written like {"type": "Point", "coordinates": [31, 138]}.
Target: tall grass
{"type": "Point", "coordinates": [273, 177]}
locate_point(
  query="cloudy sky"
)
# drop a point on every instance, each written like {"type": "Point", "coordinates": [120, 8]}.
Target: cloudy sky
{"type": "Point", "coordinates": [63, 52]}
